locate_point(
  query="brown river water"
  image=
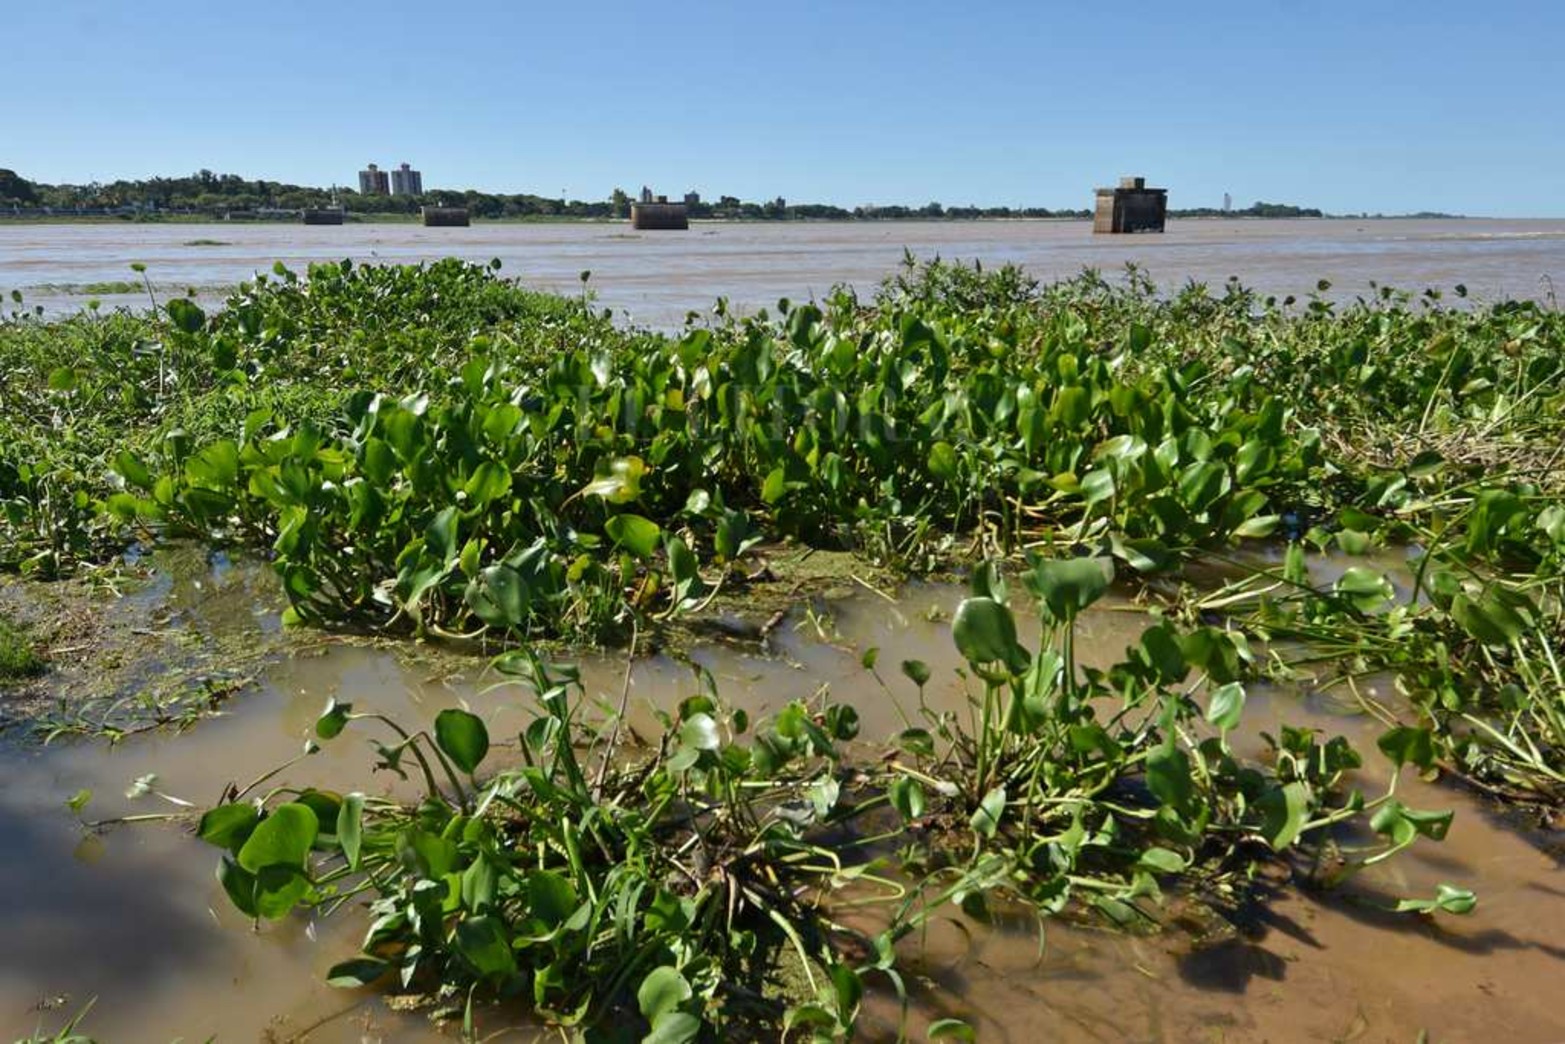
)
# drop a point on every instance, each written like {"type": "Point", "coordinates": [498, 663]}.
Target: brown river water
{"type": "Point", "coordinates": [132, 915]}
{"type": "Point", "coordinates": [656, 278]}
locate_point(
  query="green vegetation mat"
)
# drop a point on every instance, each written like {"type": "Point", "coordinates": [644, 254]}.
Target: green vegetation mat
{"type": "Point", "coordinates": [17, 657]}
{"type": "Point", "coordinates": [433, 450]}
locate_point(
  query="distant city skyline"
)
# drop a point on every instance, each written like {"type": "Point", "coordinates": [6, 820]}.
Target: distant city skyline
{"type": "Point", "coordinates": [1348, 107]}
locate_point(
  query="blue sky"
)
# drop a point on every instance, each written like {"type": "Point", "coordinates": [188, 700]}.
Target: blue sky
{"type": "Point", "coordinates": [1373, 105]}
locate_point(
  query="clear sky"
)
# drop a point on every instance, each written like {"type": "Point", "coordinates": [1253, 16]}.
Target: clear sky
{"type": "Point", "coordinates": [1370, 105]}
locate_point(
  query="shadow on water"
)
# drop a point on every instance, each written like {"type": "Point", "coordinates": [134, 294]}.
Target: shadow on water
{"type": "Point", "coordinates": [106, 919]}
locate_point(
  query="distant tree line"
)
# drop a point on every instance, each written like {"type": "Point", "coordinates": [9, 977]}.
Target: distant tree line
{"type": "Point", "coordinates": [1258, 209]}
{"type": "Point", "coordinates": [224, 195]}
{"type": "Point", "coordinates": [220, 195]}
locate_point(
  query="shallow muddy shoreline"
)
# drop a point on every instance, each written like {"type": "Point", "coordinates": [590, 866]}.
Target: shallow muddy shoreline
{"type": "Point", "coordinates": [166, 953]}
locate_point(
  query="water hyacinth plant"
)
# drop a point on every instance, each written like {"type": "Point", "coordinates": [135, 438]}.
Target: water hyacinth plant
{"type": "Point", "coordinates": [700, 880]}
{"type": "Point", "coordinates": [1297, 490]}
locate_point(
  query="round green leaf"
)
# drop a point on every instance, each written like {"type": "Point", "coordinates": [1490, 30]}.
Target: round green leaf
{"type": "Point", "coordinates": [281, 839]}
{"type": "Point", "coordinates": [332, 719]}
{"type": "Point", "coordinates": [917, 672]}
{"type": "Point", "coordinates": [985, 631]}
{"type": "Point", "coordinates": [229, 826]}
{"type": "Point", "coordinates": [490, 481]}
{"type": "Point", "coordinates": [699, 732]}
{"type": "Point", "coordinates": [943, 462]}
{"type": "Point", "coordinates": [1225, 706]}
{"type": "Point", "coordinates": [1066, 586]}
{"type": "Point", "coordinates": [662, 991]}
{"type": "Point", "coordinates": [462, 737]}
{"type": "Point", "coordinates": [638, 535]}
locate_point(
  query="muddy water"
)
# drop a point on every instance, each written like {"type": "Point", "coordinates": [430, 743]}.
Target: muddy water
{"type": "Point", "coordinates": [132, 915]}
{"type": "Point", "coordinates": [656, 278]}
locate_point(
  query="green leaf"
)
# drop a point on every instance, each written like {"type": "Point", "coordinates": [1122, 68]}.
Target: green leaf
{"type": "Point", "coordinates": [907, 797]}
{"type": "Point", "coordinates": [682, 563]}
{"type": "Point", "coordinates": [130, 467]}
{"type": "Point", "coordinates": [1448, 899]}
{"type": "Point", "coordinates": [1162, 861]}
{"type": "Point", "coordinates": [500, 597]}
{"type": "Point", "coordinates": [1225, 706]}
{"type": "Point", "coordinates": [1066, 586]}
{"type": "Point", "coordinates": [440, 538]}
{"type": "Point", "coordinates": [620, 484]}
{"type": "Point", "coordinates": [357, 973]}
{"type": "Point", "coordinates": [1403, 824]}
{"type": "Point", "coordinates": [985, 632]}
{"type": "Point", "coordinates": [186, 314]}
{"type": "Point", "coordinates": [986, 820]}
{"type": "Point", "coordinates": [1258, 527]}
{"type": "Point", "coordinates": [239, 883]}
{"type": "Point", "coordinates": [1168, 777]}
{"type": "Point", "coordinates": [229, 826]}
{"type": "Point", "coordinates": [283, 838]}
{"type": "Point", "coordinates": [551, 898]}
{"type": "Point", "coordinates": [699, 732]}
{"type": "Point", "coordinates": [490, 482]}
{"type": "Point", "coordinates": [1492, 620]}
{"type": "Point", "coordinates": [1425, 465]}
{"type": "Point", "coordinates": [216, 467]}
{"type": "Point", "coordinates": [662, 991]}
{"type": "Point", "coordinates": [1161, 651]}
{"type": "Point", "coordinates": [1367, 589]}
{"type": "Point", "coordinates": [326, 805]}
{"type": "Point", "coordinates": [916, 671]}
{"type": "Point", "coordinates": [1406, 745]}
{"type": "Point", "coordinates": [350, 827]}
{"type": "Point", "coordinates": [943, 463]}
{"type": "Point", "coordinates": [480, 881]}
{"type": "Point", "coordinates": [482, 943]}
{"type": "Point", "coordinates": [675, 1027]}
{"type": "Point", "coordinates": [1282, 814]}
{"type": "Point", "coordinates": [1097, 485]}
{"type": "Point", "coordinates": [462, 737]}
{"type": "Point", "coordinates": [951, 1029]}
{"type": "Point", "coordinates": [62, 379]}
{"type": "Point", "coordinates": [849, 989]}
{"type": "Point", "coordinates": [640, 536]}
{"type": "Point", "coordinates": [775, 485]}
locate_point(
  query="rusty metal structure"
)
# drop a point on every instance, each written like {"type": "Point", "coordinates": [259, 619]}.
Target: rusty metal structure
{"type": "Point", "coordinates": [322, 215]}
{"type": "Point", "coordinates": [1132, 207]}
{"type": "Point", "coordinates": [444, 217]}
{"type": "Point", "coordinates": [659, 214]}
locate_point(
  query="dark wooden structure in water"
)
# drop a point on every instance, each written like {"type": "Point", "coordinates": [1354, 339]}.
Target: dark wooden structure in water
{"type": "Point", "coordinates": [444, 217]}
{"type": "Point", "coordinates": [323, 216]}
{"type": "Point", "coordinates": [660, 214]}
{"type": "Point", "coordinates": [1132, 207]}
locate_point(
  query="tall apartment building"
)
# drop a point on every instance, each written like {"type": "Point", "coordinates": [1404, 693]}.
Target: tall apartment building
{"type": "Point", "coordinates": [405, 181]}
{"type": "Point", "coordinates": [373, 182]}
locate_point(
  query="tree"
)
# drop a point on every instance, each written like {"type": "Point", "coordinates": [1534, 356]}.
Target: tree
{"type": "Point", "coordinates": [16, 189]}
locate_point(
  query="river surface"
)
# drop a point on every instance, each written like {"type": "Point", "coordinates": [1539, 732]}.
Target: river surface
{"type": "Point", "coordinates": [656, 278]}
{"type": "Point", "coordinates": [131, 915]}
